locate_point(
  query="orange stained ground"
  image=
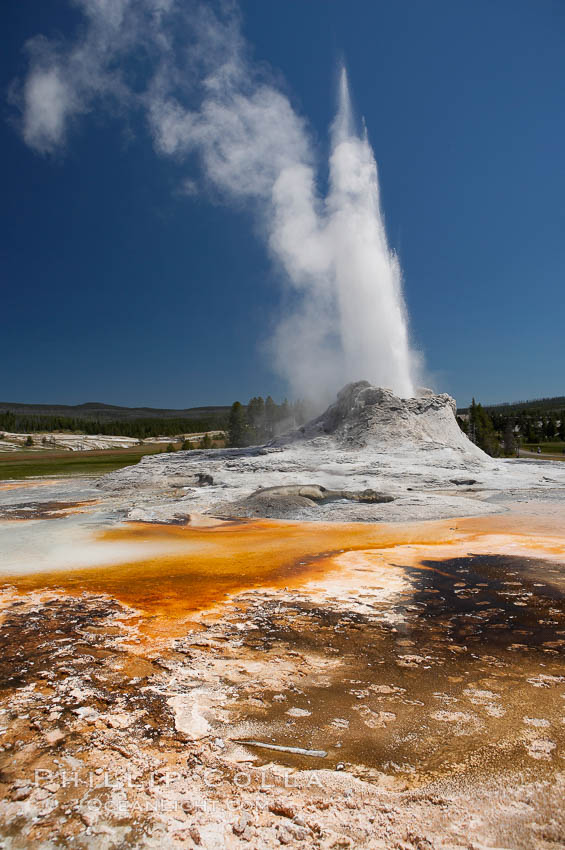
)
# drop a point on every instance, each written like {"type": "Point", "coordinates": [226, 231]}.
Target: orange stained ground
{"type": "Point", "coordinates": [28, 485]}
{"type": "Point", "coordinates": [214, 561]}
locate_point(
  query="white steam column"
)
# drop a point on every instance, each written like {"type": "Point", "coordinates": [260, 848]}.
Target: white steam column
{"type": "Point", "coordinates": [368, 283]}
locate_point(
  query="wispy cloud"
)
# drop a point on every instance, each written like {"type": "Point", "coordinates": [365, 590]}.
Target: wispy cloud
{"type": "Point", "coordinates": [186, 68]}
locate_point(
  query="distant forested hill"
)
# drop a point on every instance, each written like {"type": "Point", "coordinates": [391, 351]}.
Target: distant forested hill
{"type": "Point", "coordinates": [98, 418]}
{"type": "Point", "coordinates": [556, 404]}
{"type": "Point", "coordinates": [98, 410]}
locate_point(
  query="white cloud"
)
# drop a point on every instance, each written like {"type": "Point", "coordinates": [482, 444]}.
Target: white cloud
{"type": "Point", "coordinates": [203, 98]}
{"type": "Point", "coordinates": [48, 104]}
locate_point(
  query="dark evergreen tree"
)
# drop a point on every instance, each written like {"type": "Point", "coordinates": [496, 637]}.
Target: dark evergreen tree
{"type": "Point", "coordinates": [237, 426]}
{"type": "Point", "coordinates": [550, 427]}
{"type": "Point", "coordinates": [481, 430]}
{"type": "Point", "coordinates": [462, 424]}
{"type": "Point", "coordinates": [256, 419]}
{"type": "Point", "coordinates": [270, 417]}
{"type": "Point", "coordinates": [509, 439]}
{"type": "Point", "coordinates": [472, 426]}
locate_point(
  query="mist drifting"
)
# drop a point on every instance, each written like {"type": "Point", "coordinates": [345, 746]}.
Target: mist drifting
{"type": "Point", "coordinates": [201, 97]}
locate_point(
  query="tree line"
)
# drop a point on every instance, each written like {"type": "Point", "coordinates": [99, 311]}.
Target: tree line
{"type": "Point", "coordinates": [140, 429]}
{"type": "Point", "coordinates": [255, 423]}
{"type": "Point", "coordinates": [497, 429]}
{"type": "Point", "coordinates": [502, 429]}
{"type": "Point", "coordinates": [262, 420]}
{"type": "Point", "coordinates": [537, 406]}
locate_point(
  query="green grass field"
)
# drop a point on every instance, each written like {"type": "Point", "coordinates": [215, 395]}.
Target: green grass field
{"type": "Point", "coordinates": [16, 465]}
{"type": "Point", "coordinates": [555, 448]}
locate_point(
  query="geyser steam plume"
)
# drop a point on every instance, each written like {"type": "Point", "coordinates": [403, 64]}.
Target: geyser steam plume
{"type": "Point", "coordinates": [202, 98]}
{"type": "Point", "coordinates": [365, 328]}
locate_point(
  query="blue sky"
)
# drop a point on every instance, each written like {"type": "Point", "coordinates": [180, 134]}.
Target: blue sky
{"type": "Point", "coordinates": [118, 287]}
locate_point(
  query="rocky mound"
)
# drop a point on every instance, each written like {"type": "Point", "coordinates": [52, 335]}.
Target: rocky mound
{"type": "Point", "coordinates": [364, 415]}
{"type": "Point", "coordinates": [370, 457]}
{"type": "Point", "coordinates": [291, 499]}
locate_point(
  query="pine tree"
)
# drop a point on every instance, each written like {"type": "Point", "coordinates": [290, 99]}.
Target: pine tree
{"type": "Point", "coordinates": [509, 440]}
{"type": "Point", "coordinates": [256, 419]}
{"type": "Point", "coordinates": [237, 426]}
{"type": "Point", "coordinates": [270, 417]}
{"type": "Point", "coordinates": [550, 427]}
{"type": "Point", "coordinates": [472, 429]}
{"type": "Point", "coordinates": [481, 430]}
{"type": "Point", "coordinates": [462, 424]}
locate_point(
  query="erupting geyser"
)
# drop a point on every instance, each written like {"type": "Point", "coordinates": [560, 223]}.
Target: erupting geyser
{"type": "Point", "coordinates": [345, 319]}
{"type": "Point", "coordinates": [351, 318]}
{"type": "Point", "coordinates": [368, 279]}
